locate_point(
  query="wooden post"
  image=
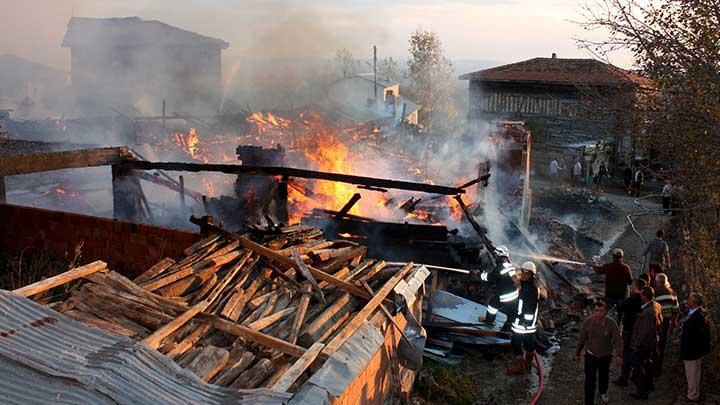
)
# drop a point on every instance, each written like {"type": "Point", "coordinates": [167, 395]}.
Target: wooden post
{"type": "Point", "coordinates": [163, 116]}
{"type": "Point", "coordinates": [182, 185]}
{"type": "Point", "coordinates": [348, 206]}
{"type": "Point", "coordinates": [3, 197]}
{"type": "Point", "coordinates": [127, 201]}
{"type": "Point", "coordinates": [281, 198]}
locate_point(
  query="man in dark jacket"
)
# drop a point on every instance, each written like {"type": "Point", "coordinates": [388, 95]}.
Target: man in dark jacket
{"type": "Point", "coordinates": [630, 308]}
{"type": "Point", "coordinates": [524, 324]}
{"type": "Point", "coordinates": [643, 342]}
{"type": "Point", "coordinates": [694, 345]}
{"type": "Point", "coordinates": [618, 277]}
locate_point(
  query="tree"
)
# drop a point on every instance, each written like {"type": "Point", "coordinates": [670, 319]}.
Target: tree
{"type": "Point", "coordinates": [388, 68]}
{"type": "Point", "coordinates": [676, 44]}
{"type": "Point", "coordinates": [432, 79]}
{"type": "Point", "coordinates": [345, 64]}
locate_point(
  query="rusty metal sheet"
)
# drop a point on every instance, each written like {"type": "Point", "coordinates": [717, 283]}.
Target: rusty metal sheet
{"type": "Point", "coordinates": [46, 357]}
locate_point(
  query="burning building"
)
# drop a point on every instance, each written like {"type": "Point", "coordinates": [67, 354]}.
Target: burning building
{"type": "Point", "coordinates": [133, 62]}
{"type": "Point", "coordinates": [563, 101]}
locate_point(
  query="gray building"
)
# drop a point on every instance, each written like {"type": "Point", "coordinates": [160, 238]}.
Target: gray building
{"type": "Point", "coordinates": [563, 102]}
{"type": "Point", "coordinates": [123, 62]}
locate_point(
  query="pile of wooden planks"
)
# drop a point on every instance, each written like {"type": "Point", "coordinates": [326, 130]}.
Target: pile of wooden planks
{"type": "Point", "coordinates": [241, 311]}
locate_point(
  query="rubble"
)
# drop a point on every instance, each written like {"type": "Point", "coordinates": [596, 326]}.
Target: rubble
{"type": "Point", "coordinates": [242, 311]}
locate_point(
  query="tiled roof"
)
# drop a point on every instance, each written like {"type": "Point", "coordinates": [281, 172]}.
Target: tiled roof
{"type": "Point", "coordinates": [131, 31]}
{"type": "Point", "coordinates": [560, 71]}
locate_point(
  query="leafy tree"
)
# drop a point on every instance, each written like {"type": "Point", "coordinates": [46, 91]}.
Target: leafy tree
{"type": "Point", "coordinates": [676, 44]}
{"type": "Point", "coordinates": [432, 79]}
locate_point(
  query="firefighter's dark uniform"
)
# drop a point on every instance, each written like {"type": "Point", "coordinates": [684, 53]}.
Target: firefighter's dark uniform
{"type": "Point", "coordinates": [524, 325]}
{"type": "Point", "coordinates": [506, 292]}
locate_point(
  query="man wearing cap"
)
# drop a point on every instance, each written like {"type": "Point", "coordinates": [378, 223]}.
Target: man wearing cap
{"type": "Point", "coordinates": [506, 292]}
{"type": "Point", "coordinates": [618, 277]}
{"type": "Point", "coordinates": [525, 320]}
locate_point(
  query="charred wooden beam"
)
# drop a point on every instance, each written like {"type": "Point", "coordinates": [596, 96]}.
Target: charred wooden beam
{"type": "Point", "coordinates": [348, 206]}
{"type": "Point", "coordinates": [293, 172]}
{"type": "Point", "coordinates": [43, 162]}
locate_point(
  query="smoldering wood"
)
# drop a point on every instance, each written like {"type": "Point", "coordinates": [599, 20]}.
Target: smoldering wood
{"type": "Point", "coordinates": [293, 172]}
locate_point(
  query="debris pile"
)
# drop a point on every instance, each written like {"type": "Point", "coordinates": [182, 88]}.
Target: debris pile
{"type": "Point", "coordinates": [243, 311]}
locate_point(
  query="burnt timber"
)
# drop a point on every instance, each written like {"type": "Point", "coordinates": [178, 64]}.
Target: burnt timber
{"type": "Point", "coordinates": [293, 172]}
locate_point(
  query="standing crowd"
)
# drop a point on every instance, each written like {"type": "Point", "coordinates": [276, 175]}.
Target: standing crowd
{"type": "Point", "coordinates": [647, 308]}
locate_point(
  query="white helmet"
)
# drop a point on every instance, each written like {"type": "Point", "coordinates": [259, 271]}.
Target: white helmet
{"type": "Point", "coordinates": [502, 251]}
{"type": "Point", "coordinates": [529, 266]}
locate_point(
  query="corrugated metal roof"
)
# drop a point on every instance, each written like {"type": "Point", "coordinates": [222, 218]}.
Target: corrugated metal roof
{"type": "Point", "coordinates": [50, 358]}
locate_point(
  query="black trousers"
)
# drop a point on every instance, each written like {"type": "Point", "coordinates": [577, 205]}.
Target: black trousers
{"type": "Point", "coordinates": [627, 354]}
{"type": "Point", "coordinates": [662, 342]}
{"type": "Point", "coordinates": [520, 340]}
{"type": "Point", "coordinates": [507, 308]}
{"type": "Point", "coordinates": [597, 369]}
{"type": "Point", "coordinates": [642, 371]}
{"type": "Point", "coordinates": [666, 203]}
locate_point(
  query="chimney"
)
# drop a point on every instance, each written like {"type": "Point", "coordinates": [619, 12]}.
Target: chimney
{"type": "Point", "coordinates": [554, 55]}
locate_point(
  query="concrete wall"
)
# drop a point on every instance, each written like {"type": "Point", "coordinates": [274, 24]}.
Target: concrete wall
{"type": "Point", "coordinates": [127, 247]}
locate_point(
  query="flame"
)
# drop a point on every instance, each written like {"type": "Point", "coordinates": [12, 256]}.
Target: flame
{"type": "Point", "coordinates": [190, 144]}
{"type": "Point", "coordinates": [209, 187]}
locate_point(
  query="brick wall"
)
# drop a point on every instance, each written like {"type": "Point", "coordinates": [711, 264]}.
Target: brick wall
{"type": "Point", "coordinates": [127, 247]}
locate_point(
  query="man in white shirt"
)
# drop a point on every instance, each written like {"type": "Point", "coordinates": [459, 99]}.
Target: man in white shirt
{"type": "Point", "coordinates": [554, 168]}
{"type": "Point", "coordinates": [576, 172]}
{"type": "Point", "coordinates": [667, 197]}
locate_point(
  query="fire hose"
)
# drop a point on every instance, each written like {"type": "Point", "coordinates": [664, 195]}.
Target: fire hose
{"type": "Point", "coordinates": [541, 385]}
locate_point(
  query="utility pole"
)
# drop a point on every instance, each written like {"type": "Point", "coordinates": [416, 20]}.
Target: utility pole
{"type": "Point", "coordinates": [375, 71]}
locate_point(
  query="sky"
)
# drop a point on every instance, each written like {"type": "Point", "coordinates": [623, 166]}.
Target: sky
{"type": "Point", "coordinates": [495, 31]}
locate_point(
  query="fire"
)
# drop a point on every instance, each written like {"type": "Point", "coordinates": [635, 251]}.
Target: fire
{"type": "Point", "coordinates": [313, 142]}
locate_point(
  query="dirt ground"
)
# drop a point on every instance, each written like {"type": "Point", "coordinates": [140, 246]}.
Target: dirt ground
{"type": "Point", "coordinates": [564, 381]}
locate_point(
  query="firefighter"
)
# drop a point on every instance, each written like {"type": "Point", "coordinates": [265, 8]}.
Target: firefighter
{"type": "Point", "coordinates": [506, 292]}
{"type": "Point", "coordinates": [525, 321]}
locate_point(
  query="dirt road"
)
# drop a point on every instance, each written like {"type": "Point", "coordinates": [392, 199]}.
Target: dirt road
{"type": "Point", "coordinates": [564, 384]}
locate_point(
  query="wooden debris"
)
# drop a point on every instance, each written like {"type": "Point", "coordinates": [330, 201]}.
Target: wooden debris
{"type": "Point", "coordinates": [209, 362]}
{"type": "Point", "coordinates": [60, 279]}
{"type": "Point", "coordinates": [292, 374]}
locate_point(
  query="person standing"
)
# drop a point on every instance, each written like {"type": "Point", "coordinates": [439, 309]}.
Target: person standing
{"type": "Point", "coordinates": [506, 292]}
{"type": "Point", "coordinates": [666, 297]}
{"type": "Point", "coordinates": [630, 308]}
{"type": "Point", "coordinates": [618, 276]}
{"type": "Point", "coordinates": [602, 173]}
{"type": "Point", "coordinates": [554, 168]}
{"type": "Point", "coordinates": [643, 343]}
{"type": "Point", "coordinates": [667, 197]}
{"type": "Point", "coordinates": [694, 345]}
{"type": "Point", "coordinates": [601, 336]}
{"type": "Point", "coordinates": [628, 179]}
{"type": "Point", "coordinates": [658, 253]}
{"type": "Point", "coordinates": [638, 179]}
{"type": "Point", "coordinates": [577, 173]}
{"type": "Point", "coordinates": [525, 321]}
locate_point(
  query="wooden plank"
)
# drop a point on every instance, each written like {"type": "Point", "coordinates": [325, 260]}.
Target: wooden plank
{"type": "Point", "coordinates": [189, 341]}
{"type": "Point", "coordinates": [308, 275]}
{"type": "Point", "coordinates": [154, 340]}
{"type": "Point", "coordinates": [60, 279]}
{"type": "Point", "coordinates": [299, 367]}
{"type": "Point", "coordinates": [233, 369]}
{"type": "Point", "coordinates": [292, 172]}
{"type": "Point", "coordinates": [375, 270]}
{"type": "Point", "coordinates": [230, 276]}
{"type": "Point", "coordinates": [431, 295]}
{"type": "Point", "coordinates": [300, 315]}
{"type": "Point", "coordinates": [367, 310]}
{"type": "Point", "coordinates": [263, 323]}
{"type": "Point", "coordinates": [96, 322]}
{"type": "Point", "coordinates": [329, 320]}
{"type": "Point", "coordinates": [209, 362]}
{"type": "Point", "coordinates": [252, 377]}
{"type": "Point", "coordinates": [155, 270]}
{"type": "Point", "coordinates": [257, 337]}
{"type": "Point", "coordinates": [43, 162]}
{"type": "Point", "coordinates": [274, 255]}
